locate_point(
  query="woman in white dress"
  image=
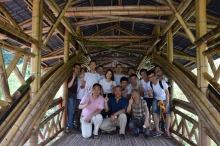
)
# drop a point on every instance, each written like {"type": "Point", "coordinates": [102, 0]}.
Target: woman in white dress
{"type": "Point", "coordinates": [108, 84]}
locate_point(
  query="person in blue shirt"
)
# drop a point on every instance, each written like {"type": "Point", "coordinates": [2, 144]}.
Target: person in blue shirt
{"type": "Point", "coordinates": [116, 106]}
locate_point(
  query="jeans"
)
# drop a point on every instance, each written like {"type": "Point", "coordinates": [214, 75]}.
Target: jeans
{"type": "Point", "coordinates": [156, 109]}
{"type": "Point", "coordinates": [137, 124]}
{"type": "Point", "coordinates": [71, 107]}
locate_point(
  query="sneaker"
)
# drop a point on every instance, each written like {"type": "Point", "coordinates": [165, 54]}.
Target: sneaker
{"type": "Point", "coordinates": [163, 131]}
{"type": "Point", "coordinates": [147, 136]}
{"type": "Point", "coordinates": [168, 135]}
{"type": "Point", "coordinates": [122, 136]}
{"type": "Point", "coordinates": [72, 129]}
{"type": "Point", "coordinates": [158, 133]}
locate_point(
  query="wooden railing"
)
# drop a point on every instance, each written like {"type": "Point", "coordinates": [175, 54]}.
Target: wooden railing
{"type": "Point", "coordinates": [51, 126]}
{"type": "Point", "coordinates": [185, 127]}
{"type": "Point", "coordinates": [180, 126]}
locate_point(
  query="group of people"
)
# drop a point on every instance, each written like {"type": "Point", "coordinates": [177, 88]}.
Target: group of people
{"type": "Point", "coordinates": [113, 100]}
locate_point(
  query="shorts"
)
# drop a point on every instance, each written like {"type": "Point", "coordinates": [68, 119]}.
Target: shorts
{"type": "Point", "coordinates": [156, 108]}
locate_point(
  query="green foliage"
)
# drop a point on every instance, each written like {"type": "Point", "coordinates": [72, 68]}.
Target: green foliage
{"type": "Point", "coordinates": [13, 82]}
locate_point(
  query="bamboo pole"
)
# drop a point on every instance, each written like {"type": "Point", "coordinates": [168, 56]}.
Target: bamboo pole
{"type": "Point", "coordinates": [117, 12]}
{"type": "Point", "coordinates": [100, 37]}
{"type": "Point", "coordinates": [36, 33]}
{"type": "Point", "coordinates": [101, 45]}
{"type": "Point", "coordinates": [187, 57]}
{"type": "Point", "coordinates": [24, 65]}
{"type": "Point", "coordinates": [125, 31]}
{"type": "Point", "coordinates": [216, 85]}
{"type": "Point", "coordinates": [209, 26]}
{"type": "Point", "coordinates": [15, 31]}
{"type": "Point", "coordinates": [205, 37]}
{"type": "Point", "coordinates": [186, 17]}
{"type": "Point", "coordinates": [216, 75]}
{"type": "Point", "coordinates": [53, 27]}
{"type": "Point", "coordinates": [115, 8]}
{"type": "Point", "coordinates": [213, 42]}
{"type": "Point", "coordinates": [134, 19]}
{"type": "Point", "coordinates": [211, 63]}
{"type": "Point", "coordinates": [19, 75]}
{"type": "Point", "coordinates": [37, 19]}
{"type": "Point", "coordinates": [94, 22]}
{"type": "Point", "coordinates": [56, 9]}
{"type": "Point", "coordinates": [184, 105]}
{"type": "Point", "coordinates": [211, 50]}
{"type": "Point", "coordinates": [203, 107]}
{"type": "Point", "coordinates": [40, 112]}
{"type": "Point", "coordinates": [201, 24]}
{"type": "Point", "coordinates": [12, 64]}
{"type": "Point", "coordinates": [9, 17]}
{"type": "Point", "coordinates": [64, 86]}
{"type": "Point", "coordinates": [182, 22]}
{"type": "Point", "coordinates": [4, 85]}
{"type": "Point", "coordinates": [102, 31]}
{"type": "Point", "coordinates": [48, 86]}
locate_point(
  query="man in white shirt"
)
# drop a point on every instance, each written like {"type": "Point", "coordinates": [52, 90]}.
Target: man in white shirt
{"type": "Point", "coordinates": [80, 94]}
{"type": "Point", "coordinates": [144, 88]}
{"type": "Point", "coordinates": [118, 74]}
{"type": "Point", "coordinates": [100, 72]}
{"type": "Point", "coordinates": [133, 85]}
{"type": "Point", "coordinates": [91, 78]}
{"type": "Point", "coordinates": [159, 89]}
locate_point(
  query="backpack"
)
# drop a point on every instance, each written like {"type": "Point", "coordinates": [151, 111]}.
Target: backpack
{"type": "Point", "coordinates": [160, 82]}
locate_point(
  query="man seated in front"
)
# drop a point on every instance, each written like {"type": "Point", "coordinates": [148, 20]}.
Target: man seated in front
{"type": "Point", "coordinates": [92, 105]}
{"type": "Point", "coordinates": [116, 106]}
{"type": "Point", "coordinates": [139, 114]}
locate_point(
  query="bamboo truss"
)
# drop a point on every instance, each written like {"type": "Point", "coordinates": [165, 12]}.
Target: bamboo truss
{"type": "Point", "coordinates": [32, 113]}
{"type": "Point", "coordinates": [15, 49]}
{"type": "Point", "coordinates": [15, 31]}
{"type": "Point", "coordinates": [195, 96]}
{"type": "Point", "coordinates": [58, 19]}
{"type": "Point", "coordinates": [55, 8]}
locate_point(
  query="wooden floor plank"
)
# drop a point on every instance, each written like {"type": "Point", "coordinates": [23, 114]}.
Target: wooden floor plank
{"type": "Point", "coordinates": [71, 139]}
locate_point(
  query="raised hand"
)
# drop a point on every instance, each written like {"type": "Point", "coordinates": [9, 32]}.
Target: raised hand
{"type": "Point", "coordinates": [131, 101]}
{"type": "Point", "coordinates": [88, 103]}
{"type": "Point", "coordinates": [106, 98]}
{"type": "Point", "coordinates": [150, 92]}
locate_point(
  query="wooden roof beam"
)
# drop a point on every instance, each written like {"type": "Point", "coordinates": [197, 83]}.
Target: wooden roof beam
{"type": "Point", "coordinates": [125, 31]}
{"type": "Point", "coordinates": [115, 45]}
{"type": "Point", "coordinates": [56, 9]}
{"type": "Point", "coordinates": [93, 22]}
{"type": "Point", "coordinates": [116, 8]}
{"type": "Point", "coordinates": [118, 12]}
{"type": "Point", "coordinates": [117, 59]}
{"type": "Point", "coordinates": [104, 30]}
{"type": "Point", "coordinates": [119, 37]}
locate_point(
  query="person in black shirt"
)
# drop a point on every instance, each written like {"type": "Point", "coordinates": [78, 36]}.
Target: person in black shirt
{"type": "Point", "coordinates": [72, 96]}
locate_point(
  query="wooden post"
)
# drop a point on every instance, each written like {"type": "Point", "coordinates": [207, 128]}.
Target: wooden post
{"type": "Point", "coordinates": [4, 85]}
{"type": "Point", "coordinates": [64, 86]}
{"type": "Point", "coordinates": [170, 59]}
{"type": "Point", "coordinates": [79, 33]}
{"type": "Point", "coordinates": [37, 22]}
{"type": "Point", "coordinates": [201, 29]}
{"type": "Point", "coordinates": [24, 65]}
{"type": "Point", "coordinates": [157, 32]}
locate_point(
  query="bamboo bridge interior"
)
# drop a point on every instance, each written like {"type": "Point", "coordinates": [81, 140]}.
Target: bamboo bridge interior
{"type": "Point", "coordinates": [51, 35]}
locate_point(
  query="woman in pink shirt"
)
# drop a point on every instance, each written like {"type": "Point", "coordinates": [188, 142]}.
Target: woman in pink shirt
{"type": "Point", "coordinates": [91, 106]}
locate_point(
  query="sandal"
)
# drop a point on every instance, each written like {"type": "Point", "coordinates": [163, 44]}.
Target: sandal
{"type": "Point", "coordinates": [95, 136]}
